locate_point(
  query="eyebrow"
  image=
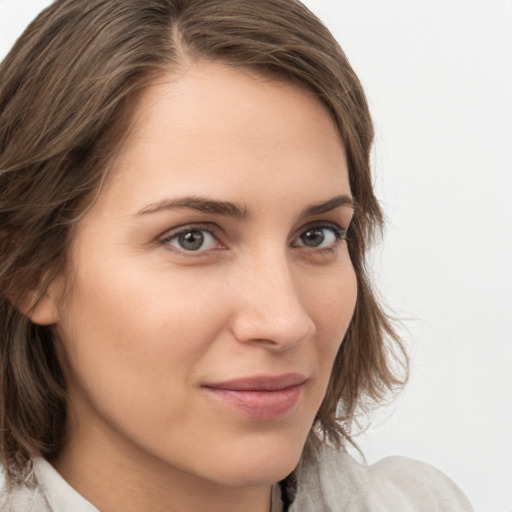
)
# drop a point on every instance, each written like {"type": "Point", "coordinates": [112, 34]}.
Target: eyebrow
{"type": "Point", "coordinates": [327, 206]}
{"type": "Point", "coordinates": [201, 204]}
{"type": "Point", "coordinates": [226, 208]}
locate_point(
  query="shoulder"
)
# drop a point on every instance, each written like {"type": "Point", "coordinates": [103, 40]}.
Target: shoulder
{"type": "Point", "coordinates": [25, 497]}
{"type": "Point", "coordinates": [44, 490]}
{"type": "Point", "coordinates": [416, 483]}
{"type": "Point", "coordinates": [335, 481]}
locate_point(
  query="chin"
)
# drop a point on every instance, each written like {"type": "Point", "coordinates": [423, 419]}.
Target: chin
{"type": "Point", "coordinates": [261, 463]}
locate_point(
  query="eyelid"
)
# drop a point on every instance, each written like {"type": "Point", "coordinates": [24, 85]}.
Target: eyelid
{"type": "Point", "coordinates": [174, 232]}
{"type": "Point", "coordinates": [212, 229]}
{"type": "Point", "coordinates": [339, 232]}
{"type": "Point", "coordinates": [322, 224]}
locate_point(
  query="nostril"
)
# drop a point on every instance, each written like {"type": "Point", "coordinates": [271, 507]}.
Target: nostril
{"type": "Point", "coordinates": [274, 329]}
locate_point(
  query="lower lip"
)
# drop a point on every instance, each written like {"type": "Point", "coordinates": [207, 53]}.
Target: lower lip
{"type": "Point", "coordinates": [261, 405]}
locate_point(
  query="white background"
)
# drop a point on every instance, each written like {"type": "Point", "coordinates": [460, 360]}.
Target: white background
{"type": "Point", "coordinates": [438, 75]}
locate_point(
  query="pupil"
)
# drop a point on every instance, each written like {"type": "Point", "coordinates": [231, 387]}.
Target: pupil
{"type": "Point", "coordinates": [191, 241]}
{"type": "Point", "coordinates": [313, 237]}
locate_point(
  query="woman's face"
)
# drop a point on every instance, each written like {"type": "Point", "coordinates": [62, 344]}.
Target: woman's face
{"type": "Point", "coordinates": [210, 285]}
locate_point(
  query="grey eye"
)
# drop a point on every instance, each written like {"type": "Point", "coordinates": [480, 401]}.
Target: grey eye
{"type": "Point", "coordinates": [313, 237]}
{"type": "Point", "coordinates": [193, 240]}
{"type": "Point", "coordinates": [320, 237]}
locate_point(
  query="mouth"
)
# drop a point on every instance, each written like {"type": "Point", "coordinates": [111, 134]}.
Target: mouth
{"type": "Point", "coordinates": [260, 397]}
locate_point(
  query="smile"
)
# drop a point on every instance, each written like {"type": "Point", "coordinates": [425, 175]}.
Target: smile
{"type": "Point", "coordinates": [261, 398]}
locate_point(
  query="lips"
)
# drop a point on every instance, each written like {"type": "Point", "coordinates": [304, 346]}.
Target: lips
{"type": "Point", "coordinates": [260, 397]}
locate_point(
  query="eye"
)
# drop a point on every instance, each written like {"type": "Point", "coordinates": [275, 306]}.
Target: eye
{"type": "Point", "coordinates": [192, 239]}
{"type": "Point", "coordinates": [320, 237]}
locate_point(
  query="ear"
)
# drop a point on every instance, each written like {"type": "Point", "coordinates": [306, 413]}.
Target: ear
{"type": "Point", "coordinates": [42, 310]}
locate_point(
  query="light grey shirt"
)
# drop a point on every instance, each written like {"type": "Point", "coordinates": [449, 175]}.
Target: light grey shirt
{"type": "Point", "coordinates": [335, 482]}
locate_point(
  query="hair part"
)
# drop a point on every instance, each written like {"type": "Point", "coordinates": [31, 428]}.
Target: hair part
{"type": "Point", "coordinates": [67, 95]}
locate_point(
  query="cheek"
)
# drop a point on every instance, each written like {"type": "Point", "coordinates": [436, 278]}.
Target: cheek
{"type": "Point", "coordinates": [127, 327]}
{"type": "Point", "coordinates": [331, 303]}
{"type": "Point", "coordinates": [131, 348]}
{"type": "Point", "coordinates": [333, 306]}
{"type": "Point", "coordinates": [339, 313]}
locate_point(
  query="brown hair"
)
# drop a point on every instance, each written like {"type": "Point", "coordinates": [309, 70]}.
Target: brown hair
{"type": "Point", "coordinates": [65, 95]}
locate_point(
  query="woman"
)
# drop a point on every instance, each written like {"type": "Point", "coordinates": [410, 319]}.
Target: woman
{"type": "Point", "coordinates": [186, 204]}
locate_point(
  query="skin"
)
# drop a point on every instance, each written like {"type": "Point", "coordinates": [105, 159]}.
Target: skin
{"type": "Point", "coordinates": [142, 323]}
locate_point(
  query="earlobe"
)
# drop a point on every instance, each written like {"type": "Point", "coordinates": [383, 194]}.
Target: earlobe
{"type": "Point", "coordinates": [41, 310]}
{"type": "Point", "coordinates": [44, 312]}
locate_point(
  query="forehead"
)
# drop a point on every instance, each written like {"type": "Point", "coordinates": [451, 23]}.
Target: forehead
{"type": "Point", "coordinates": [215, 126]}
{"type": "Point", "coordinates": [216, 91]}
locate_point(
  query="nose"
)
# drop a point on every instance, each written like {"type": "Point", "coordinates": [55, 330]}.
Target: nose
{"type": "Point", "coordinates": [269, 309]}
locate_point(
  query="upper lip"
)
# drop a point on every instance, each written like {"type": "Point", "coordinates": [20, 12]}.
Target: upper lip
{"type": "Point", "coordinates": [260, 382]}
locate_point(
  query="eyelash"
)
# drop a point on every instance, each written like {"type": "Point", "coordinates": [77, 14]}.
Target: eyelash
{"type": "Point", "coordinates": [201, 228]}
{"type": "Point", "coordinates": [339, 234]}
